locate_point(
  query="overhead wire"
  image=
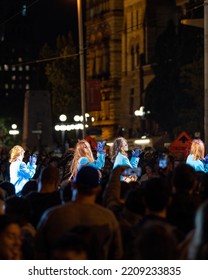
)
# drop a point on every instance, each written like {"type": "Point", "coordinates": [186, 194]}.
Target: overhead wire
{"type": "Point", "coordinates": [18, 13]}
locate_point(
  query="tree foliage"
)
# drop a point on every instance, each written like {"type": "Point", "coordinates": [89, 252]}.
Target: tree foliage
{"type": "Point", "coordinates": [175, 96]}
{"type": "Point", "coordinates": [62, 72]}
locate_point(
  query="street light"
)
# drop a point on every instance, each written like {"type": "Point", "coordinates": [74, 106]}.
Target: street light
{"type": "Point", "coordinates": [81, 63]}
{"type": "Point", "coordinates": [140, 112]}
{"type": "Point", "coordinates": [14, 131]}
{"type": "Point", "coordinates": [62, 128]}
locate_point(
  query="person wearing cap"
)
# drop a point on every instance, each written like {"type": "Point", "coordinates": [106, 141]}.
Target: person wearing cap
{"type": "Point", "coordinates": [20, 172]}
{"type": "Point", "coordinates": [103, 228]}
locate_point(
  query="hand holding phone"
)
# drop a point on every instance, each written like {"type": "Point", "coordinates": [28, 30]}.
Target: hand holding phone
{"type": "Point", "coordinates": [132, 172]}
{"type": "Point", "coordinates": [33, 159]}
{"type": "Point", "coordinates": [163, 163]}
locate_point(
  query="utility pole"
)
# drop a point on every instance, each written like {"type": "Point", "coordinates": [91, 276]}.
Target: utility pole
{"type": "Point", "coordinates": [206, 73]}
{"type": "Point", "coordinates": [81, 64]}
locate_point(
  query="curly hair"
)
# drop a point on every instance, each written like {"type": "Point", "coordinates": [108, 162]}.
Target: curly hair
{"type": "Point", "coordinates": [116, 148]}
{"type": "Point", "coordinates": [15, 152]}
{"type": "Point", "coordinates": [197, 149]}
{"type": "Point", "coordinates": [82, 149]}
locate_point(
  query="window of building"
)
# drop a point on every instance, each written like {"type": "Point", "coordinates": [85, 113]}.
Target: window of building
{"type": "Point", "coordinates": [132, 20]}
{"type": "Point", "coordinates": [137, 55]}
{"type": "Point", "coordinates": [132, 58]}
{"type": "Point", "coordinates": [131, 102]}
{"type": "Point", "coordinates": [137, 19]}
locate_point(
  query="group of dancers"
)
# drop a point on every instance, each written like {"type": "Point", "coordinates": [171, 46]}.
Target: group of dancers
{"type": "Point", "coordinates": [21, 172]}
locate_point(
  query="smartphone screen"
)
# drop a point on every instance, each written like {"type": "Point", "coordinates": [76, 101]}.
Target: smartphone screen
{"type": "Point", "coordinates": [132, 172]}
{"type": "Point", "coordinates": [163, 163]}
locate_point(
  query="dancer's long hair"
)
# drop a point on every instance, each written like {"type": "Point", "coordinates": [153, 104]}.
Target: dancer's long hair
{"type": "Point", "coordinates": [82, 149]}
{"type": "Point", "coordinates": [197, 149]}
{"type": "Point", "coordinates": [117, 147]}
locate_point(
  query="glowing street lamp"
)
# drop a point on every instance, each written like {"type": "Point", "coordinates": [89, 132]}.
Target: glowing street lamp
{"type": "Point", "coordinates": [62, 127]}
{"type": "Point", "coordinates": [14, 131]}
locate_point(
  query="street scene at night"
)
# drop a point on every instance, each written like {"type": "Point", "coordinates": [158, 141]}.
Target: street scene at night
{"type": "Point", "coordinates": [104, 131]}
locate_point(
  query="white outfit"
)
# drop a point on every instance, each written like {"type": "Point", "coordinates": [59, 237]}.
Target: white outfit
{"type": "Point", "coordinates": [20, 173]}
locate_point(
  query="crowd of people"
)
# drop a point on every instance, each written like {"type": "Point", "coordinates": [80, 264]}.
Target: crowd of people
{"type": "Point", "coordinates": [104, 203]}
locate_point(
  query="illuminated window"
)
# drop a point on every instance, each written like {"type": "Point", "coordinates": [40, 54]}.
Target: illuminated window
{"type": "Point", "coordinates": [20, 68]}
{"type": "Point", "coordinates": [27, 67]}
{"type": "Point", "coordinates": [6, 86]}
{"type": "Point", "coordinates": [27, 78]}
{"type": "Point", "coordinates": [27, 86]}
{"type": "Point", "coordinates": [13, 78]}
{"type": "Point", "coordinates": [13, 68]}
{"type": "Point", "coordinates": [19, 59]}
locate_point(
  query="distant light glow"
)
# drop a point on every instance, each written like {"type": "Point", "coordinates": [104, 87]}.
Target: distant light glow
{"type": "Point", "coordinates": [62, 118]}
{"type": "Point", "coordinates": [142, 141]}
{"type": "Point", "coordinates": [68, 127]}
{"type": "Point", "coordinates": [140, 112]}
{"type": "Point", "coordinates": [14, 126]}
{"type": "Point", "coordinates": [13, 132]}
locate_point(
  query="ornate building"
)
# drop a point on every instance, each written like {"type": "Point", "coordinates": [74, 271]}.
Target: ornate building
{"type": "Point", "coordinates": [121, 36]}
{"type": "Point", "coordinates": [104, 25]}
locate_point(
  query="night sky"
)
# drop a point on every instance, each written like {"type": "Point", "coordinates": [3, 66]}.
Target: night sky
{"type": "Point", "coordinates": [54, 17]}
{"type": "Point", "coordinates": [45, 19]}
{"type": "Point", "coordinates": [43, 22]}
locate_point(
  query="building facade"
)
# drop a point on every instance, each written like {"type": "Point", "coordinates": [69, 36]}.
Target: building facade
{"type": "Point", "coordinates": [120, 37]}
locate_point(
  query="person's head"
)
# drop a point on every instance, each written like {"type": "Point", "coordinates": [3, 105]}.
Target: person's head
{"type": "Point", "coordinates": [10, 238]}
{"type": "Point", "coordinates": [18, 207]}
{"type": "Point", "coordinates": [70, 246]}
{"type": "Point", "coordinates": [31, 185]}
{"type": "Point", "coordinates": [197, 149]}
{"type": "Point", "coordinates": [16, 152]}
{"type": "Point", "coordinates": [82, 149]}
{"type": "Point", "coordinates": [135, 201]}
{"type": "Point", "coordinates": [155, 241]}
{"type": "Point", "coordinates": [198, 248]}
{"type": "Point", "coordinates": [48, 179]}
{"type": "Point", "coordinates": [156, 194]}
{"type": "Point", "coordinates": [88, 181]}
{"type": "Point", "coordinates": [119, 145]}
{"type": "Point", "coordinates": [184, 178]}
{"type": "Point", "coordinates": [8, 188]}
